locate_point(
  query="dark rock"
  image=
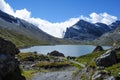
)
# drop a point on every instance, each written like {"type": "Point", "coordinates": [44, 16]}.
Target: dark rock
{"type": "Point", "coordinates": [30, 58]}
{"type": "Point", "coordinates": [56, 53]}
{"type": "Point", "coordinates": [118, 77]}
{"type": "Point", "coordinates": [107, 59]}
{"type": "Point", "coordinates": [98, 48]}
{"type": "Point", "coordinates": [71, 57]}
{"type": "Point", "coordinates": [9, 66]}
{"type": "Point", "coordinates": [8, 47]}
{"type": "Point", "coordinates": [102, 75]}
{"type": "Point", "coordinates": [117, 48]}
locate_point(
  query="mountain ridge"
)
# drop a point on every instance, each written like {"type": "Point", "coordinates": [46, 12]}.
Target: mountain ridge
{"type": "Point", "coordinates": [109, 38]}
{"type": "Point", "coordinates": [87, 31]}
{"type": "Point", "coordinates": [23, 33]}
{"type": "Point", "coordinates": [19, 27]}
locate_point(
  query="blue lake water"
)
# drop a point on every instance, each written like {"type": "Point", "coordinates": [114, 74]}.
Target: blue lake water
{"type": "Point", "coordinates": [67, 50]}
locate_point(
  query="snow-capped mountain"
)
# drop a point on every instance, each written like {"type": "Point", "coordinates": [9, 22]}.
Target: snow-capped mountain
{"type": "Point", "coordinates": [84, 30]}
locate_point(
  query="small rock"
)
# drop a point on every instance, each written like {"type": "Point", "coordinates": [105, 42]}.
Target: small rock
{"type": "Point", "coordinates": [56, 53]}
{"type": "Point", "coordinates": [98, 48]}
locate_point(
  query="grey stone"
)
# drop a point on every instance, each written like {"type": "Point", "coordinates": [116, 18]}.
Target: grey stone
{"type": "Point", "coordinates": [102, 75]}
{"type": "Point", "coordinates": [107, 59]}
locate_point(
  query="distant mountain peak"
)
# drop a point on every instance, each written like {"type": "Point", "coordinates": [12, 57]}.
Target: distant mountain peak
{"type": "Point", "coordinates": [84, 30]}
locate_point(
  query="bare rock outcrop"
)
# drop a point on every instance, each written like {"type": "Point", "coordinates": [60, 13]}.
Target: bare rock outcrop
{"type": "Point", "coordinates": [107, 59]}
{"type": "Point", "coordinates": [9, 65]}
{"type": "Point", "coordinates": [102, 75]}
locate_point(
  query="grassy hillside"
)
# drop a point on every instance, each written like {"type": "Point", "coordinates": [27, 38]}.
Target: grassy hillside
{"type": "Point", "coordinates": [89, 60]}
{"type": "Point", "coordinates": [21, 40]}
{"type": "Point", "coordinates": [18, 39]}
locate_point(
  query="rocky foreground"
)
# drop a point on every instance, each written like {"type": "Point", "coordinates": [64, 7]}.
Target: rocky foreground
{"type": "Point", "coordinates": [62, 75]}
{"type": "Point", "coordinates": [66, 74]}
{"type": "Point", "coordinates": [99, 65]}
{"type": "Point", "coordinates": [9, 65]}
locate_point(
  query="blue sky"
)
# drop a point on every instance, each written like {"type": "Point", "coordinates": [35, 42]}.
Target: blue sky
{"type": "Point", "coordinates": [61, 10]}
{"type": "Point", "coordinates": [54, 16]}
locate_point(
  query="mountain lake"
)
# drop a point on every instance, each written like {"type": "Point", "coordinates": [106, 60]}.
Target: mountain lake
{"type": "Point", "coordinates": [67, 50]}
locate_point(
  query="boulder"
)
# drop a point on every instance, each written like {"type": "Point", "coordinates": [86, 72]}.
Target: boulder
{"type": "Point", "coordinates": [102, 75]}
{"type": "Point", "coordinates": [56, 54]}
{"type": "Point", "coordinates": [98, 48]}
{"type": "Point", "coordinates": [8, 47]}
{"type": "Point", "coordinates": [9, 65]}
{"type": "Point", "coordinates": [107, 59]}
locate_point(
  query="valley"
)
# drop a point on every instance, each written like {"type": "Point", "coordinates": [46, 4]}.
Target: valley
{"type": "Point", "coordinates": [25, 34]}
{"type": "Point", "coordinates": [78, 55]}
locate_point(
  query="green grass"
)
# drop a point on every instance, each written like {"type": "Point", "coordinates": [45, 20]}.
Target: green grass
{"type": "Point", "coordinates": [76, 65]}
{"type": "Point", "coordinates": [52, 64]}
{"type": "Point", "coordinates": [89, 61]}
{"type": "Point", "coordinates": [29, 73]}
{"type": "Point", "coordinates": [20, 40]}
{"type": "Point", "coordinates": [24, 56]}
{"type": "Point", "coordinates": [115, 69]}
{"type": "Point", "coordinates": [89, 58]}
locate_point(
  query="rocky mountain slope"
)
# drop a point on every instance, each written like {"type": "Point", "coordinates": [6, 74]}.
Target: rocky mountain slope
{"type": "Point", "coordinates": [110, 38]}
{"type": "Point", "coordinates": [22, 28]}
{"type": "Point", "coordinates": [83, 30]}
{"type": "Point", "coordinates": [25, 34]}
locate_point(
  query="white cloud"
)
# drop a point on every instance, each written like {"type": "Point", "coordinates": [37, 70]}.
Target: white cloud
{"type": "Point", "coordinates": [6, 7]}
{"type": "Point", "coordinates": [23, 14]}
{"type": "Point", "coordinates": [102, 17]}
{"type": "Point", "coordinates": [55, 29]}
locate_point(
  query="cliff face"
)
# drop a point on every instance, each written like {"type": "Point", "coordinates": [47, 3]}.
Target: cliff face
{"type": "Point", "coordinates": [9, 65]}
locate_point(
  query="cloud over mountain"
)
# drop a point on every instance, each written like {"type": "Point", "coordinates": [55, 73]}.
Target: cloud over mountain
{"type": "Point", "coordinates": [102, 18]}
{"type": "Point", "coordinates": [55, 29]}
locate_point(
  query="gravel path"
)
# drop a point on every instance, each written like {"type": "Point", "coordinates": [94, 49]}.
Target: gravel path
{"type": "Point", "coordinates": [59, 75]}
{"type": "Point", "coordinates": [64, 74]}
